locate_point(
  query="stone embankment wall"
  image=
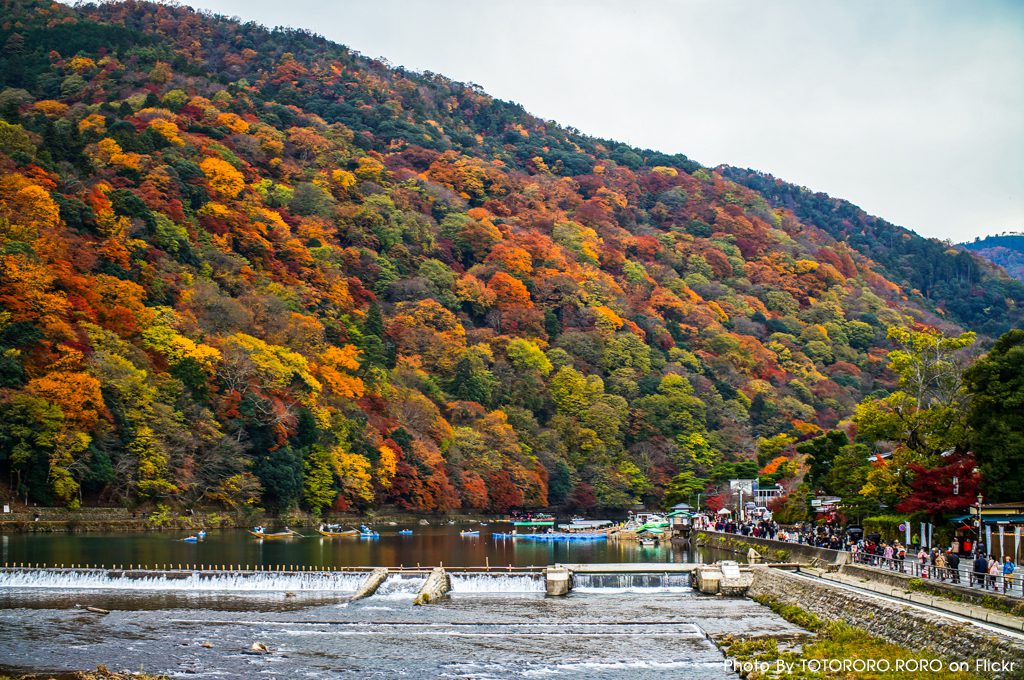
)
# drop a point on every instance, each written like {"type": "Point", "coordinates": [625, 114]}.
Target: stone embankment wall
{"type": "Point", "coordinates": [771, 550]}
{"type": "Point", "coordinates": [899, 624]}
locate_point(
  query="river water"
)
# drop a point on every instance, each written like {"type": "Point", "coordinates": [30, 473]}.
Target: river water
{"type": "Point", "coordinates": [492, 626]}
{"type": "Point", "coordinates": [428, 545]}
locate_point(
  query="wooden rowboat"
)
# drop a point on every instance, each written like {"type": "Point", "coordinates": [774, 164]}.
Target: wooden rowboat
{"type": "Point", "coordinates": [279, 534]}
{"type": "Point", "coordinates": [331, 534]}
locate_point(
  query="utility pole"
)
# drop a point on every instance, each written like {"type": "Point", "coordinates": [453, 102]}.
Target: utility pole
{"type": "Point", "coordinates": [978, 542]}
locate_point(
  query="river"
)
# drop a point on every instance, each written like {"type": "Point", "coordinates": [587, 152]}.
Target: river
{"type": "Point", "coordinates": [630, 626]}
{"type": "Point", "coordinates": [428, 545]}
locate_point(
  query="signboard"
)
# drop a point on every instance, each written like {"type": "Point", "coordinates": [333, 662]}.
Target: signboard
{"type": "Point", "coordinates": [903, 526]}
{"type": "Point", "coordinates": [747, 486]}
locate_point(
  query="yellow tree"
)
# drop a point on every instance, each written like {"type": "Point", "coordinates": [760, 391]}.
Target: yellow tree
{"type": "Point", "coordinates": [222, 177]}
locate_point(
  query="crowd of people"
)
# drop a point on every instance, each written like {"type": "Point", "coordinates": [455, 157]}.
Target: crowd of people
{"type": "Point", "coordinates": [954, 564]}
{"type": "Point", "coordinates": [985, 571]}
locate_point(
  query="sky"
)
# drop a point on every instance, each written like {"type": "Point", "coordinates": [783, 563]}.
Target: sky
{"type": "Point", "coordinates": [913, 110]}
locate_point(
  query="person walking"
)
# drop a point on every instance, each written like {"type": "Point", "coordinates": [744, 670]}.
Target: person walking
{"type": "Point", "coordinates": [887, 554]}
{"type": "Point", "coordinates": [953, 560]}
{"type": "Point", "coordinates": [940, 566]}
{"type": "Point", "coordinates": [1008, 568]}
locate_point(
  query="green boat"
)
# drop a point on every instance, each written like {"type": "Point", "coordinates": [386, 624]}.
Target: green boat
{"type": "Point", "coordinates": [653, 525]}
{"type": "Point", "coordinates": [534, 523]}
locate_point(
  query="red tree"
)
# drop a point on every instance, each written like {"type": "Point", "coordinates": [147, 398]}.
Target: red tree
{"type": "Point", "coordinates": [948, 487]}
{"type": "Point", "coordinates": [583, 497]}
{"type": "Point", "coordinates": [503, 491]}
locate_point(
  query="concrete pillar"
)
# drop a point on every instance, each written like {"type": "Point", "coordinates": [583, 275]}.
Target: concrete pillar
{"type": "Point", "coordinates": [557, 581]}
{"type": "Point", "coordinates": [371, 584]}
{"type": "Point", "coordinates": [436, 586]}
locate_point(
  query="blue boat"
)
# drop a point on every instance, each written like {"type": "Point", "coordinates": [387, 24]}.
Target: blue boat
{"type": "Point", "coordinates": [190, 539]}
{"type": "Point", "coordinates": [405, 532]}
{"type": "Point", "coordinates": [469, 533]}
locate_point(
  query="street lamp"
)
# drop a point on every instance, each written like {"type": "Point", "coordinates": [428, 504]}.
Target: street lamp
{"type": "Point", "coordinates": [978, 542]}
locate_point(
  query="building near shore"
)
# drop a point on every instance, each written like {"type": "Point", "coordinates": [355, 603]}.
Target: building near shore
{"type": "Point", "coordinates": [1002, 526]}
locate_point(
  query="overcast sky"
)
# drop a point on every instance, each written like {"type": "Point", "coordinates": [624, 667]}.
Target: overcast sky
{"type": "Point", "coordinates": [913, 110]}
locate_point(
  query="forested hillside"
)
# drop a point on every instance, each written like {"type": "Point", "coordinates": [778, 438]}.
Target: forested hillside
{"type": "Point", "coordinates": [963, 287]}
{"type": "Point", "coordinates": [1006, 250]}
{"type": "Point", "coordinates": [252, 267]}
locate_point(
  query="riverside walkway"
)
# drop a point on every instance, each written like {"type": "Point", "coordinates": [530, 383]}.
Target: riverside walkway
{"type": "Point", "coordinates": [964, 577]}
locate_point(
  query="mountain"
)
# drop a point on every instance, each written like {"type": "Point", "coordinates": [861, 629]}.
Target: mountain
{"type": "Point", "coordinates": [1005, 250]}
{"type": "Point", "coordinates": [963, 287]}
{"type": "Point", "coordinates": [252, 267]}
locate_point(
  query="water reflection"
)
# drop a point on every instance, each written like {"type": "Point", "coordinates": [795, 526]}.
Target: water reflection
{"type": "Point", "coordinates": [432, 545]}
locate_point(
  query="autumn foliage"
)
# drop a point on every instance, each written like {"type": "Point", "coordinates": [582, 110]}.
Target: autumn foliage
{"type": "Point", "coordinates": [245, 266]}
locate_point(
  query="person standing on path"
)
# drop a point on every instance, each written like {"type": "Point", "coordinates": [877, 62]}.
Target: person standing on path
{"type": "Point", "coordinates": [1008, 568]}
{"type": "Point", "coordinates": [980, 570]}
{"type": "Point", "coordinates": [993, 572]}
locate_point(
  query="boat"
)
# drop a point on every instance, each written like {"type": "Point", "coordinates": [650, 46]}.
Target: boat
{"type": "Point", "coordinates": [648, 542]}
{"type": "Point", "coordinates": [475, 532]}
{"type": "Point", "coordinates": [534, 521]}
{"type": "Point", "coordinates": [367, 532]}
{"type": "Point", "coordinates": [405, 532]}
{"type": "Point", "coordinates": [330, 531]}
{"type": "Point", "coordinates": [191, 539]}
{"type": "Point", "coordinates": [260, 532]}
{"type": "Point", "coordinates": [585, 525]}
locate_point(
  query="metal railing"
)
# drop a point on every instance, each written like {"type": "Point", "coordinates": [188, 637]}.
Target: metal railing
{"type": "Point", "coordinates": [964, 576]}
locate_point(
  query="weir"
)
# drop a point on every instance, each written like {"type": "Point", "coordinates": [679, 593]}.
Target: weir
{"type": "Point", "coordinates": [426, 584]}
{"type": "Point", "coordinates": [632, 581]}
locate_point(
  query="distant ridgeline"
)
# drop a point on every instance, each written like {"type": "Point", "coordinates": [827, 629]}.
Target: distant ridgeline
{"type": "Point", "coordinates": [966, 288]}
{"type": "Point", "coordinates": [250, 267]}
{"type": "Point", "coordinates": [1006, 250]}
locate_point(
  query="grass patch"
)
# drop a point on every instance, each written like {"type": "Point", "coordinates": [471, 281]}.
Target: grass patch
{"type": "Point", "coordinates": [798, 616]}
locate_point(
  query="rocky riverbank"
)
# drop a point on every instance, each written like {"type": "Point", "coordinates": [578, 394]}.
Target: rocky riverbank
{"type": "Point", "coordinates": [101, 673]}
